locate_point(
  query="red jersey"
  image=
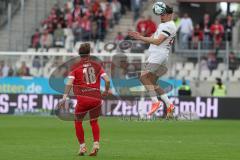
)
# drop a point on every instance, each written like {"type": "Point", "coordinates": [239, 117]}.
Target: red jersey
{"type": "Point", "coordinates": [142, 26]}
{"type": "Point", "coordinates": [87, 78]}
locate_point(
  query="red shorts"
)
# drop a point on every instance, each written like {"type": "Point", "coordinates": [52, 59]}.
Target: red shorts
{"type": "Point", "coordinates": [88, 109]}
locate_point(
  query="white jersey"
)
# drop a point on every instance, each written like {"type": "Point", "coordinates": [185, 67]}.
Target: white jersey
{"type": "Point", "coordinates": [168, 29]}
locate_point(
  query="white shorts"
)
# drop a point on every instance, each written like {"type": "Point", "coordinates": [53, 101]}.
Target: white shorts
{"type": "Point", "coordinates": [157, 63]}
{"type": "Point", "coordinates": [160, 58]}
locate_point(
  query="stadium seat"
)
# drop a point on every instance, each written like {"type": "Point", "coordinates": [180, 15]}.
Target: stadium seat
{"type": "Point", "coordinates": [77, 45]}
{"type": "Point", "coordinates": [53, 50]}
{"type": "Point", "coordinates": [237, 74]}
{"type": "Point", "coordinates": [100, 47]}
{"type": "Point", "coordinates": [189, 66]}
{"type": "Point", "coordinates": [32, 50]}
{"type": "Point", "coordinates": [182, 74]}
{"type": "Point", "coordinates": [205, 74]}
{"type": "Point", "coordinates": [196, 66]}
{"type": "Point", "coordinates": [221, 67]}
{"type": "Point", "coordinates": [34, 72]}
{"type": "Point", "coordinates": [62, 50]}
{"type": "Point", "coordinates": [216, 74]}
{"type": "Point", "coordinates": [227, 74]}
{"type": "Point", "coordinates": [173, 71]}
{"type": "Point", "coordinates": [42, 50]}
{"type": "Point", "coordinates": [234, 79]}
{"type": "Point", "coordinates": [193, 75]}
{"type": "Point", "coordinates": [179, 66]}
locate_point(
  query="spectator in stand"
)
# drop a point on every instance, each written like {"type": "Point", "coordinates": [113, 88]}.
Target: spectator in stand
{"type": "Point", "coordinates": [101, 25]}
{"type": "Point", "coordinates": [205, 25]}
{"type": "Point", "coordinates": [186, 30]}
{"type": "Point", "coordinates": [119, 37]}
{"type": "Point", "coordinates": [212, 61]}
{"type": "Point", "coordinates": [228, 27]}
{"type": "Point", "coordinates": [69, 38]}
{"type": "Point", "coordinates": [69, 5]}
{"type": "Point", "coordinates": [36, 39]}
{"type": "Point", "coordinates": [116, 9]}
{"type": "Point", "coordinates": [136, 8]}
{"type": "Point", "coordinates": [142, 26]}
{"type": "Point", "coordinates": [68, 18]}
{"type": "Point", "coordinates": [57, 9]}
{"type": "Point", "coordinates": [36, 62]}
{"type": "Point", "coordinates": [87, 2]}
{"type": "Point", "coordinates": [88, 19]}
{"type": "Point", "coordinates": [217, 32]}
{"type": "Point", "coordinates": [94, 27]}
{"type": "Point", "coordinates": [61, 20]}
{"type": "Point", "coordinates": [1, 74]}
{"type": "Point", "coordinates": [77, 30]}
{"type": "Point", "coordinates": [23, 70]}
{"type": "Point", "coordinates": [125, 4]}
{"type": "Point", "coordinates": [4, 69]}
{"type": "Point", "coordinates": [46, 40]}
{"type": "Point", "coordinates": [78, 2]}
{"type": "Point", "coordinates": [10, 71]}
{"type": "Point", "coordinates": [233, 62]}
{"type": "Point", "coordinates": [203, 63]}
{"type": "Point", "coordinates": [109, 16]}
{"type": "Point", "coordinates": [77, 12]}
{"type": "Point", "coordinates": [59, 36]}
{"type": "Point", "coordinates": [96, 6]}
{"type": "Point", "coordinates": [197, 36]}
{"type": "Point", "coordinates": [151, 26]}
{"type": "Point", "coordinates": [86, 28]}
{"type": "Point", "coordinates": [87, 11]}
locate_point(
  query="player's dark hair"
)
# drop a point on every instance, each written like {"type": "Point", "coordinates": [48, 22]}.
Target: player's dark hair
{"type": "Point", "coordinates": [169, 10]}
{"type": "Point", "coordinates": [84, 50]}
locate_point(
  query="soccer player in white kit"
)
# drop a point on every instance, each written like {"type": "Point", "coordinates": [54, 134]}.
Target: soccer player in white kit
{"type": "Point", "coordinates": [160, 45]}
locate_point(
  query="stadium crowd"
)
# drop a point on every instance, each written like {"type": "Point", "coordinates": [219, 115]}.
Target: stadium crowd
{"type": "Point", "coordinates": [78, 20]}
{"type": "Point", "coordinates": [211, 33]}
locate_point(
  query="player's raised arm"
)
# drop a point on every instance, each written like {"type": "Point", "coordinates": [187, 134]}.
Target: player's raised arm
{"type": "Point", "coordinates": [150, 40]}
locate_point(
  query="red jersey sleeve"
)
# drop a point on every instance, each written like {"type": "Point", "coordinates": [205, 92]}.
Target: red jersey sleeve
{"type": "Point", "coordinates": [102, 72]}
{"type": "Point", "coordinates": [72, 75]}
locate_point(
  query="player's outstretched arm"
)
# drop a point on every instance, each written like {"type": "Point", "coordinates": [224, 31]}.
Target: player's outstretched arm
{"type": "Point", "coordinates": [150, 40]}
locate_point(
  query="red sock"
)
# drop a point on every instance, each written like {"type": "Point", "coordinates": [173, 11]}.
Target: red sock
{"type": "Point", "coordinates": [79, 132]}
{"type": "Point", "coordinates": [95, 130]}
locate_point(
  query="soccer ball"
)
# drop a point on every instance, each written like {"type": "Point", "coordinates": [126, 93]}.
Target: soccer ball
{"type": "Point", "coordinates": [159, 8]}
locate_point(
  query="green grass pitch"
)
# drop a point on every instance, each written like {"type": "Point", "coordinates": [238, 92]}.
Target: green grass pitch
{"type": "Point", "coordinates": [48, 138]}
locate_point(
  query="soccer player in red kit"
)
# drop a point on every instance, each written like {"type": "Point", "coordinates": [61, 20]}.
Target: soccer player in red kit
{"type": "Point", "coordinates": [85, 79]}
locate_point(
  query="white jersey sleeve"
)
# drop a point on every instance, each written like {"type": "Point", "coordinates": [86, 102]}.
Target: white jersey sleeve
{"type": "Point", "coordinates": [167, 29]}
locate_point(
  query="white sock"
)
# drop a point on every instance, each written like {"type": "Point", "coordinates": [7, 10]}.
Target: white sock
{"type": "Point", "coordinates": [165, 99]}
{"type": "Point", "coordinates": [154, 99]}
{"type": "Point", "coordinates": [96, 145]}
{"type": "Point", "coordinates": [82, 145]}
